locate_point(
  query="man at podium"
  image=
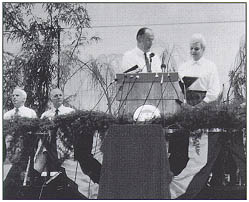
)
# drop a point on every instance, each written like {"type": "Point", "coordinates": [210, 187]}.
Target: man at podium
{"type": "Point", "coordinates": [141, 59]}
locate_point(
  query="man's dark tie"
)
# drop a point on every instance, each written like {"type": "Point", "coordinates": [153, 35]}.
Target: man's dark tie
{"type": "Point", "coordinates": [56, 112]}
{"type": "Point", "coordinates": [147, 63]}
{"type": "Point", "coordinates": [16, 112]}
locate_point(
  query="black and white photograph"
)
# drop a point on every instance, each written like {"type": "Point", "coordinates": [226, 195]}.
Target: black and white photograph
{"type": "Point", "coordinates": [124, 100]}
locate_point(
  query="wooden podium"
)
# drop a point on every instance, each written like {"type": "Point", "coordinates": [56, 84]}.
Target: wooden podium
{"type": "Point", "coordinates": [158, 89]}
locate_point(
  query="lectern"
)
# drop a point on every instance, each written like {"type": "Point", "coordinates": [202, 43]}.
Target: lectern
{"type": "Point", "coordinates": [158, 89]}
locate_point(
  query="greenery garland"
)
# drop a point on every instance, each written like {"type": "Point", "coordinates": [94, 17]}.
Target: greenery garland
{"type": "Point", "coordinates": [228, 117]}
{"type": "Point", "coordinates": [223, 116]}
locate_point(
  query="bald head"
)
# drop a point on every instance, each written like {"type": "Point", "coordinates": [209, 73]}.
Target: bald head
{"type": "Point", "coordinates": [19, 97]}
{"type": "Point", "coordinates": [145, 39]}
{"type": "Point", "coordinates": [56, 97]}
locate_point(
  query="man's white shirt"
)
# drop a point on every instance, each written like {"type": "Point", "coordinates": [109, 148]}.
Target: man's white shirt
{"type": "Point", "coordinates": [61, 110]}
{"type": "Point", "coordinates": [136, 57]}
{"type": "Point", "coordinates": [22, 112]}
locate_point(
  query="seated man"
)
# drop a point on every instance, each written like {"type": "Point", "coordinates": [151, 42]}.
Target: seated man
{"type": "Point", "coordinates": [56, 155]}
{"type": "Point", "coordinates": [141, 55]}
{"type": "Point", "coordinates": [12, 167]}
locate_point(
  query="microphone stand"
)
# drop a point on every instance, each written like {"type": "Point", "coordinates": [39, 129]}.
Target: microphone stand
{"type": "Point", "coordinates": [26, 176]}
{"type": "Point", "coordinates": [29, 176]}
{"type": "Point", "coordinates": [185, 94]}
{"type": "Point", "coordinates": [151, 55]}
{"type": "Point", "coordinates": [163, 67]}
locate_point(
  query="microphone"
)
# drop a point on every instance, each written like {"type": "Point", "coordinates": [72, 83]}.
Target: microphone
{"type": "Point", "coordinates": [131, 69]}
{"type": "Point", "coordinates": [163, 66]}
{"type": "Point", "coordinates": [151, 56]}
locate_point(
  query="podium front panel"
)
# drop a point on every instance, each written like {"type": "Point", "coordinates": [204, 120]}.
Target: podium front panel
{"type": "Point", "coordinates": [155, 91]}
{"type": "Point", "coordinates": [158, 89]}
{"type": "Point", "coordinates": [135, 163]}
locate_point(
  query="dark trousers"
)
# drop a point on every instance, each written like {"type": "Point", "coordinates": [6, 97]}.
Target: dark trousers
{"type": "Point", "coordinates": [178, 149]}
